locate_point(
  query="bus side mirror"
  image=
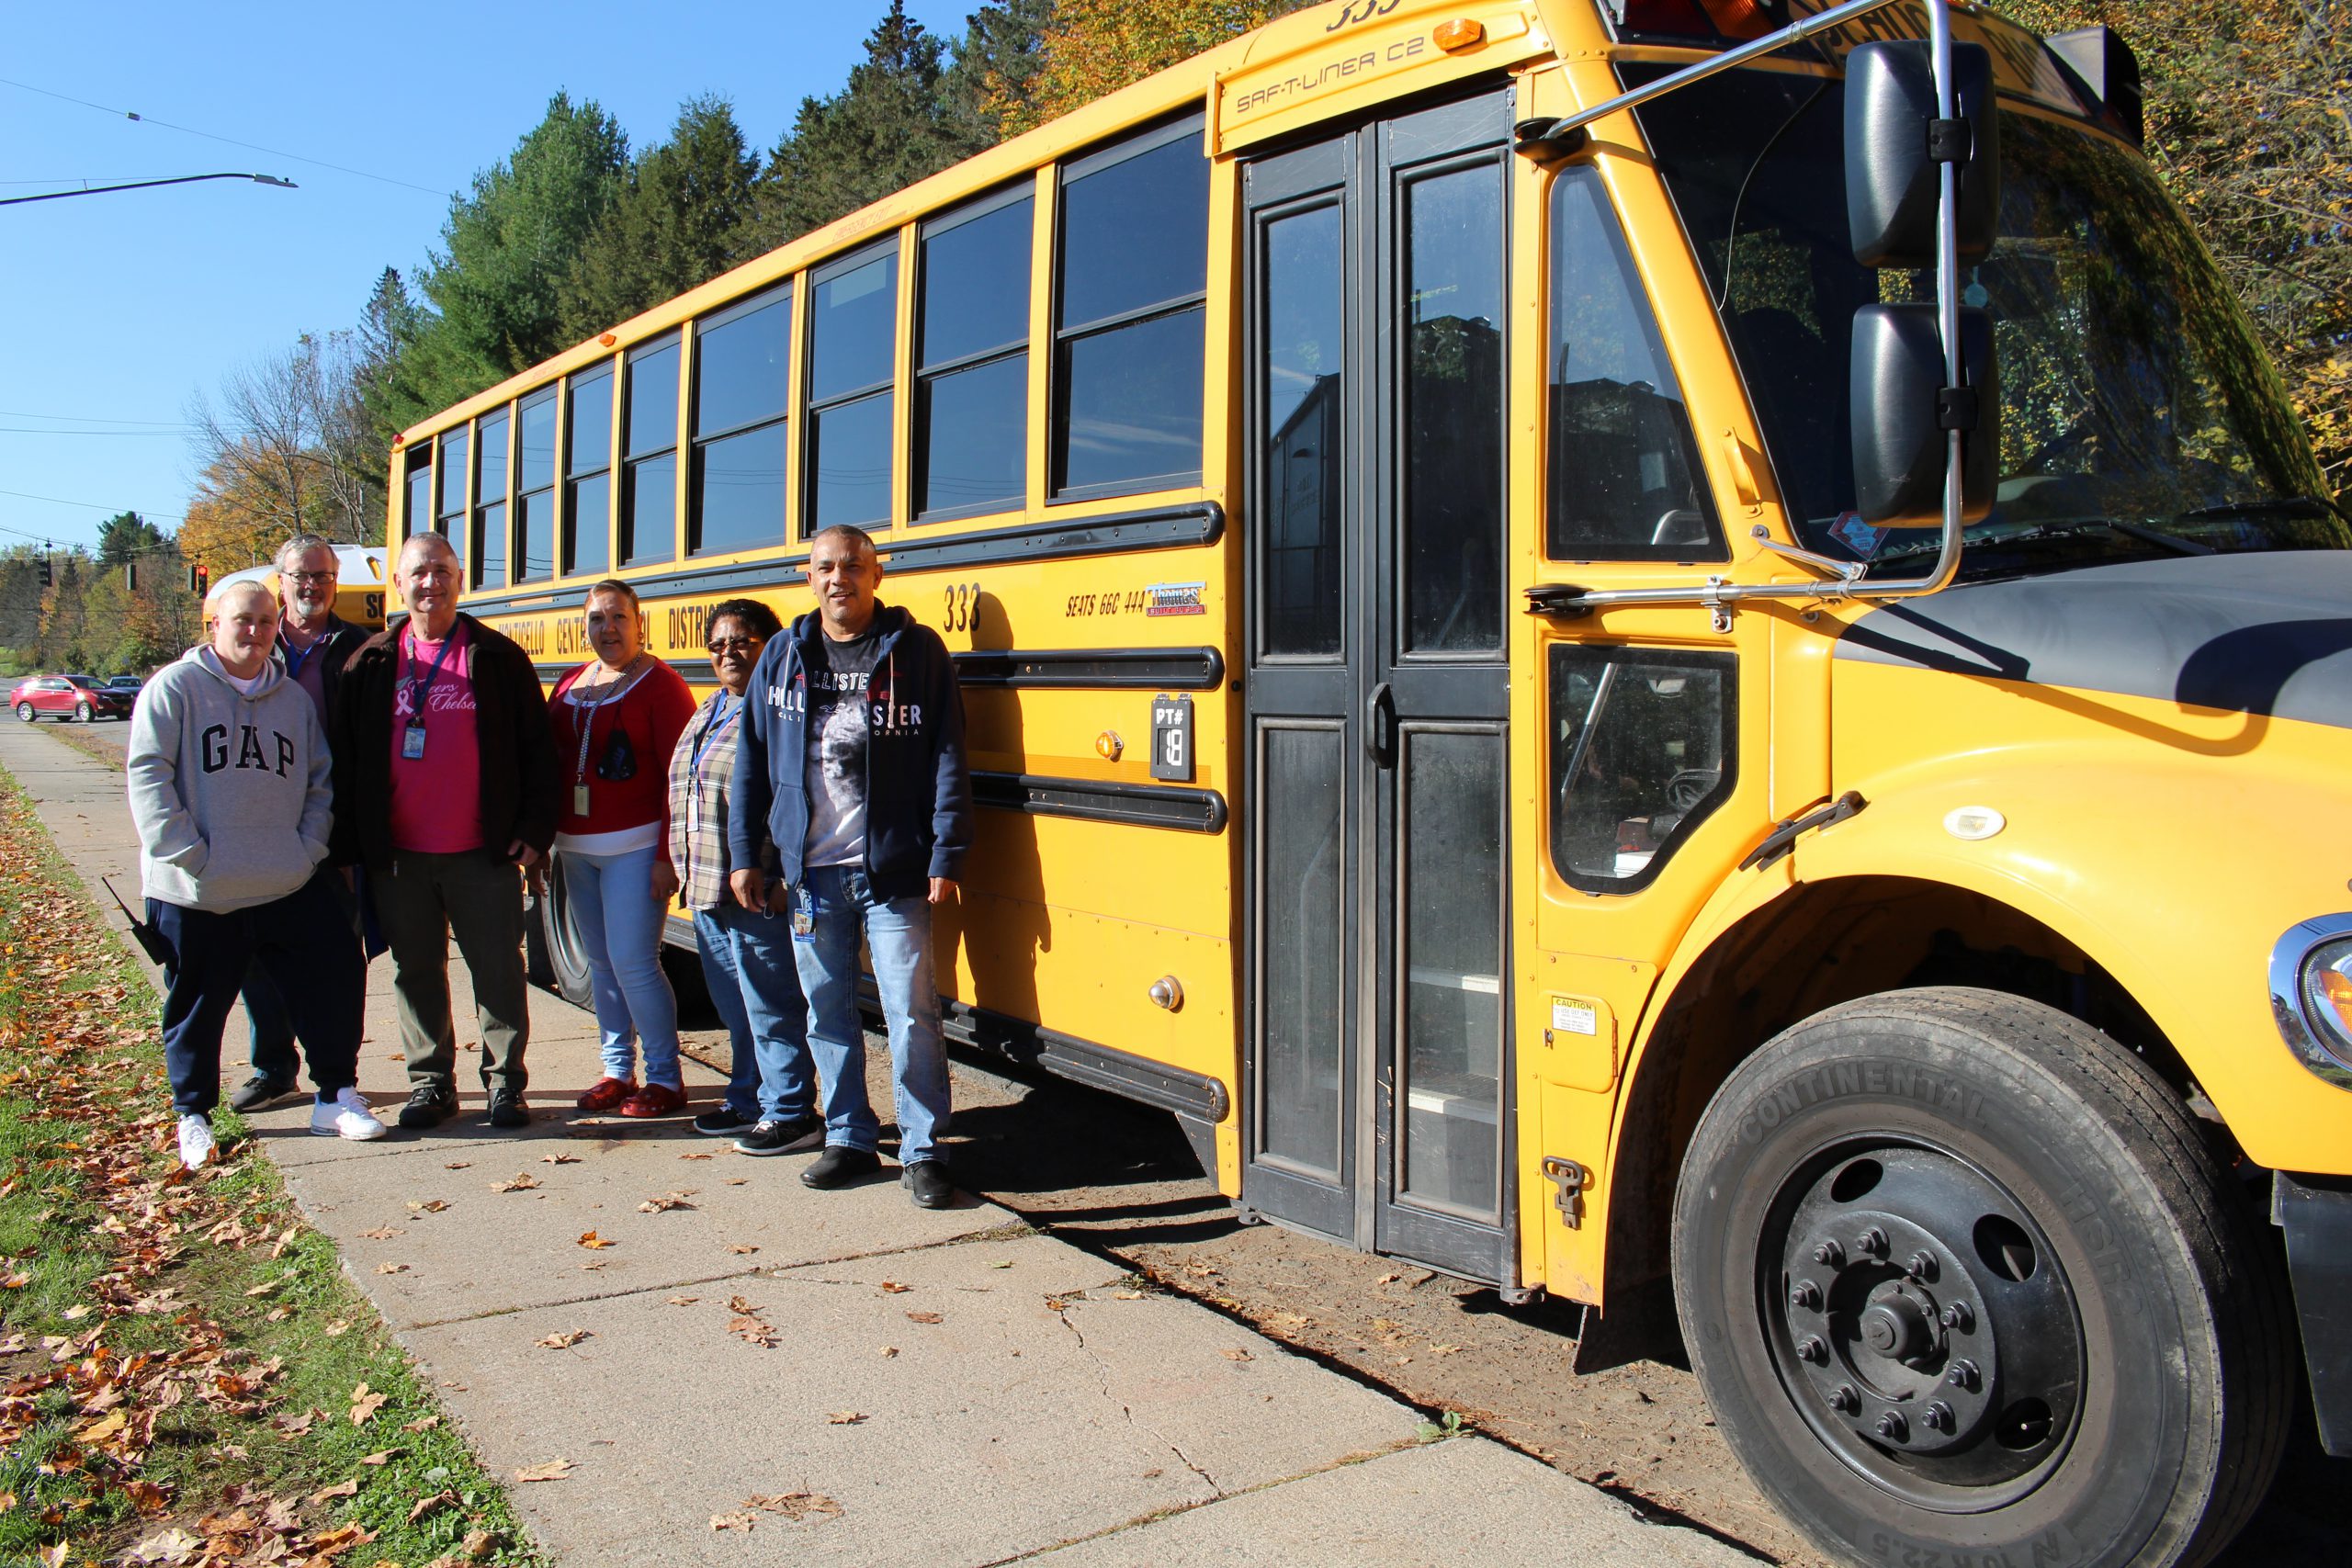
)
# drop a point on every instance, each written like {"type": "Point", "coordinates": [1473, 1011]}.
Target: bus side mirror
{"type": "Point", "coordinates": [1895, 147]}
{"type": "Point", "coordinates": [1902, 414]}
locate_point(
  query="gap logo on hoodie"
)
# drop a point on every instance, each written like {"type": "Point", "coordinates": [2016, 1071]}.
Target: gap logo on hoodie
{"type": "Point", "coordinates": [213, 748]}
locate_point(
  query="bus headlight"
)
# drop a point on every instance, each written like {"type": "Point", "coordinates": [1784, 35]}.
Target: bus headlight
{"type": "Point", "coordinates": [2311, 995]}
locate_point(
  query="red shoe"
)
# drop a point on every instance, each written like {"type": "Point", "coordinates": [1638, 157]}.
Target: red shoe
{"type": "Point", "coordinates": [655, 1100]}
{"type": "Point", "coordinates": [606, 1094]}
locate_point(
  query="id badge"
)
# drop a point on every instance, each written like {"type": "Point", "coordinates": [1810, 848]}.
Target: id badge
{"type": "Point", "coordinates": [694, 812]}
{"type": "Point", "coordinates": [413, 742]}
{"type": "Point", "coordinates": [804, 915]}
{"type": "Point", "coordinates": [580, 800]}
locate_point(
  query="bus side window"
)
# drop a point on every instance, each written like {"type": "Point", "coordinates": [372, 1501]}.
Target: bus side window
{"type": "Point", "coordinates": [1624, 481]}
{"type": "Point", "coordinates": [1130, 313]}
{"type": "Point", "coordinates": [1640, 754]}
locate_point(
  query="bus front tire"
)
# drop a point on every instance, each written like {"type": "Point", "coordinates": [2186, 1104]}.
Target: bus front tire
{"type": "Point", "coordinates": [1962, 1277]}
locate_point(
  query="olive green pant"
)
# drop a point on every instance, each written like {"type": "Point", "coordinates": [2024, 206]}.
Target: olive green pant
{"type": "Point", "coordinates": [478, 897]}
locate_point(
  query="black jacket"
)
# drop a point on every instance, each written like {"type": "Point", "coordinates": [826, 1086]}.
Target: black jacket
{"type": "Point", "coordinates": [919, 791]}
{"type": "Point", "coordinates": [518, 763]}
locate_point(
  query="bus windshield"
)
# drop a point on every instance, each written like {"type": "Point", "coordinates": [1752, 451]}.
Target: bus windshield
{"type": "Point", "coordinates": [2139, 416]}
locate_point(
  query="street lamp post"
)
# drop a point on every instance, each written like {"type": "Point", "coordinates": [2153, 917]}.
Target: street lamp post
{"type": "Point", "coordinates": [142, 184]}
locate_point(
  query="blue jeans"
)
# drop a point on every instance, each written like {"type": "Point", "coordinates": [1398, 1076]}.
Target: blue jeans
{"type": "Point", "coordinates": [620, 929]}
{"type": "Point", "coordinates": [841, 905]}
{"type": "Point", "coordinates": [748, 966]}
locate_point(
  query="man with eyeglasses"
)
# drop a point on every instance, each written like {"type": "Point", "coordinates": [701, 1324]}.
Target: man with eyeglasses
{"type": "Point", "coordinates": [446, 790]}
{"type": "Point", "coordinates": [313, 644]}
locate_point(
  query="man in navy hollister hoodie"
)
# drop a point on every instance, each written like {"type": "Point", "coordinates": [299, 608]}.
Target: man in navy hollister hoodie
{"type": "Point", "coordinates": [852, 755]}
{"type": "Point", "coordinates": [229, 779]}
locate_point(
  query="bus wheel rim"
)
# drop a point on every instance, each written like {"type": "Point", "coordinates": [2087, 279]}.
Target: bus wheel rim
{"type": "Point", "coordinates": [1922, 1323]}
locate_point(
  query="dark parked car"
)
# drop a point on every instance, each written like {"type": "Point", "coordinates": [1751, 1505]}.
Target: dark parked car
{"type": "Point", "coordinates": [125, 684]}
{"type": "Point", "coordinates": [78, 697]}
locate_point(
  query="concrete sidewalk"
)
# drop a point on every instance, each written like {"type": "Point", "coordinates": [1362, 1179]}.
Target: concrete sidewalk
{"type": "Point", "coordinates": [938, 1388]}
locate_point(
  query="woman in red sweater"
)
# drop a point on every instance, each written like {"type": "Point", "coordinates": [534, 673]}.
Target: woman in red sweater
{"type": "Point", "coordinates": [616, 720]}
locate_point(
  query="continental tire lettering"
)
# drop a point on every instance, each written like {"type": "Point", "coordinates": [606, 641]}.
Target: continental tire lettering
{"type": "Point", "coordinates": [1887, 1080]}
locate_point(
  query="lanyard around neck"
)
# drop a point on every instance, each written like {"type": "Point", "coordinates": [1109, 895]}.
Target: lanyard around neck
{"type": "Point", "coordinates": [408, 650]}
{"type": "Point", "coordinates": [584, 716]}
{"type": "Point", "coordinates": [712, 735]}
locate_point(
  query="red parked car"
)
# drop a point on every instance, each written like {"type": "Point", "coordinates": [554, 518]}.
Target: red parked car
{"type": "Point", "coordinates": [78, 697]}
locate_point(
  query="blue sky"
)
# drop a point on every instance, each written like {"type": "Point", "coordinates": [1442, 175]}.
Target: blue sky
{"type": "Point", "coordinates": [120, 306]}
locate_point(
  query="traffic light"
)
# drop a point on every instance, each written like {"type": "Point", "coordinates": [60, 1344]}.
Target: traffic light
{"type": "Point", "coordinates": [131, 576]}
{"type": "Point", "coordinates": [200, 579]}
{"type": "Point", "coordinates": [48, 572]}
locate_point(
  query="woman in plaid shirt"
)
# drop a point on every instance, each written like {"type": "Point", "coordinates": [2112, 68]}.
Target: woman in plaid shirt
{"type": "Point", "coordinates": [746, 957]}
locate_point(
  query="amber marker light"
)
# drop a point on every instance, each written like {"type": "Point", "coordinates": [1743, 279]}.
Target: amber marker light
{"type": "Point", "coordinates": [1108, 746]}
{"type": "Point", "coordinates": [1461, 33]}
{"type": "Point", "coordinates": [608, 339]}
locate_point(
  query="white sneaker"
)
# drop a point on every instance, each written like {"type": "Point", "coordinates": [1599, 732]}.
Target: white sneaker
{"type": "Point", "coordinates": [196, 1141]}
{"type": "Point", "coordinates": [346, 1116]}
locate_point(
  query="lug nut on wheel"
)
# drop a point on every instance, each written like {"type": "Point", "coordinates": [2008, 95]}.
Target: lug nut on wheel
{"type": "Point", "coordinates": [1872, 1243]}
{"type": "Point", "coordinates": [1938, 1417]}
{"type": "Point", "coordinates": [1844, 1400]}
{"type": "Point", "coordinates": [1830, 1255]}
{"type": "Point", "coordinates": [1959, 1316]}
{"type": "Point", "coordinates": [1893, 1427]}
{"type": "Point", "coordinates": [1962, 1374]}
{"type": "Point", "coordinates": [1921, 1264]}
{"type": "Point", "coordinates": [1805, 1296]}
{"type": "Point", "coordinates": [1813, 1349]}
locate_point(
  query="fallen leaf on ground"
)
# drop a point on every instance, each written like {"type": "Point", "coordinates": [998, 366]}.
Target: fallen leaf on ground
{"type": "Point", "coordinates": [340, 1489]}
{"type": "Point", "coordinates": [523, 1181]}
{"type": "Point", "coordinates": [732, 1521]}
{"type": "Point", "coordinates": [1444, 1349]}
{"type": "Point", "coordinates": [433, 1503]}
{"type": "Point", "coordinates": [1127, 1295]}
{"type": "Point", "coordinates": [661, 1205]}
{"type": "Point", "coordinates": [737, 1181]}
{"type": "Point", "coordinates": [796, 1505]}
{"type": "Point", "coordinates": [381, 1456]}
{"type": "Point", "coordinates": [924, 1317]}
{"type": "Point", "coordinates": [591, 1239]}
{"type": "Point", "coordinates": [693, 1157]}
{"type": "Point", "coordinates": [385, 1233]}
{"type": "Point", "coordinates": [422, 1424]}
{"type": "Point", "coordinates": [430, 1206]}
{"type": "Point", "coordinates": [392, 1268]}
{"type": "Point", "coordinates": [554, 1470]}
{"type": "Point", "coordinates": [1002, 1263]}
{"type": "Point", "coordinates": [843, 1417]}
{"type": "Point", "coordinates": [565, 1340]}
{"type": "Point", "coordinates": [558, 1159]}
{"type": "Point", "coordinates": [683, 1301]}
{"type": "Point", "coordinates": [892, 1288]}
{"type": "Point", "coordinates": [365, 1403]}
{"type": "Point", "coordinates": [888, 1351]}
{"type": "Point", "coordinates": [456, 1165]}
{"type": "Point", "coordinates": [1231, 1354]}
{"type": "Point", "coordinates": [742, 1247]}
{"type": "Point", "coordinates": [338, 1328]}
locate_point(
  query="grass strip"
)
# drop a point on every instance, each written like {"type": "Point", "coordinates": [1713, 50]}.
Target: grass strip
{"type": "Point", "coordinates": [186, 1376]}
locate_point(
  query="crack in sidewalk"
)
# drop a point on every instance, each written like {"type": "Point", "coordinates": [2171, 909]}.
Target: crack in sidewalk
{"type": "Point", "coordinates": [1061, 1304]}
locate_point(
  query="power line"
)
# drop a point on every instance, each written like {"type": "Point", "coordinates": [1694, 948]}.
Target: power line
{"type": "Point", "coordinates": [91, 418]}
{"type": "Point", "coordinates": [208, 136]}
{"type": "Point", "coordinates": [90, 505]}
{"type": "Point", "coordinates": [33, 430]}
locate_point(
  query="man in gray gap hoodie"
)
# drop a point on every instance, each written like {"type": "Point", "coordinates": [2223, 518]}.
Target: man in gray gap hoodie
{"type": "Point", "coordinates": [230, 790]}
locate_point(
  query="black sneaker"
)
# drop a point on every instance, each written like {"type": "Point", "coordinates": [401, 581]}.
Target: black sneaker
{"type": "Point", "coordinates": [720, 1120]}
{"type": "Point", "coordinates": [782, 1137]}
{"type": "Point", "coordinates": [429, 1105]}
{"type": "Point", "coordinates": [838, 1165]}
{"type": "Point", "coordinates": [262, 1090]}
{"type": "Point", "coordinates": [928, 1180]}
{"type": "Point", "coordinates": [506, 1109]}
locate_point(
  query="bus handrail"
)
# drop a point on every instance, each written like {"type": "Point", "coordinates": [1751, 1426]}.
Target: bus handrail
{"type": "Point", "coordinates": [1562, 599]}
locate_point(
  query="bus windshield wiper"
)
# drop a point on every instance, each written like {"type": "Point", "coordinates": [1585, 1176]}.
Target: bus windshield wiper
{"type": "Point", "coordinates": [2055, 532]}
{"type": "Point", "coordinates": [2282, 506]}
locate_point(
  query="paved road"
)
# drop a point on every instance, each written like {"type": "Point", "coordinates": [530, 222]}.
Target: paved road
{"type": "Point", "coordinates": [960, 1388]}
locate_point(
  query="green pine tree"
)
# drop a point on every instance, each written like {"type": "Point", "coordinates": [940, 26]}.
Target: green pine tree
{"type": "Point", "coordinates": [682, 218]}
{"type": "Point", "coordinates": [508, 246]}
{"type": "Point", "coordinates": [890, 127]}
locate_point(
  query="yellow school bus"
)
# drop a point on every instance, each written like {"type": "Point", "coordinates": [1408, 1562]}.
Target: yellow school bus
{"type": "Point", "coordinates": [1676, 652]}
